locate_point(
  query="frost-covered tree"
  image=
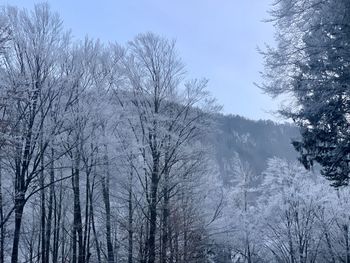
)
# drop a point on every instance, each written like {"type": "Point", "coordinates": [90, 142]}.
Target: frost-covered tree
{"type": "Point", "coordinates": [245, 222]}
{"type": "Point", "coordinates": [30, 80]}
{"type": "Point", "coordinates": [167, 117]}
{"type": "Point", "coordinates": [304, 219]}
{"type": "Point", "coordinates": [291, 203]}
{"type": "Point", "coordinates": [310, 66]}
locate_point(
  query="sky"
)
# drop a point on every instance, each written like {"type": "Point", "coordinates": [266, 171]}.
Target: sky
{"type": "Point", "coordinates": [217, 39]}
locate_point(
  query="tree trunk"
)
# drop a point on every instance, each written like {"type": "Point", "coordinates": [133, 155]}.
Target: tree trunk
{"type": "Point", "coordinates": [87, 217]}
{"type": "Point", "coordinates": [110, 254]}
{"type": "Point", "coordinates": [57, 222]}
{"type": "Point", "coordinates": [153, 212]}
{"type": "Point", "coordinates": [19, 206]}
{"type": "Point", "coordinates": [50, 209]}
{"type": "Point", "coordinates": [130, 221]}
{"type": "Point", "coordinates": [116, 246]}
{"type": "Point", "coordinates": [105, 192]}
{"type": "Point", "coordinates": [346, 237]}
{"type": "Point", "coordinates": [43, 218]}
{"type": "Point", "coordinates": [63, 229]}
{"type": "Point", "coordinates": [329, 245]}
{"type": "Point", "coordinates": [165, 219]}
{"type": "Point", "coordinates": [43, 210]}
{"type": "Point", "coordinates": [2, 228]}
{"type": "Point", "coordinates": [77, 224]}
{"type": "Point", "coordinates": [142, 249]}
{"type": "Point", "coordinates": [98, 250]}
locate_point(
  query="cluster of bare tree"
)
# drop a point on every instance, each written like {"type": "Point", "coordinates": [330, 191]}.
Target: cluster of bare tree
{"type": "Point", "coordinates": [101, 157]}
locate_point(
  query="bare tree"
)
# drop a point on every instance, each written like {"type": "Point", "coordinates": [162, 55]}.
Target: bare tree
{"type": "Point", "coordinates": [168, 119]}
{"type": "Point", "coordinates": [36, 39]}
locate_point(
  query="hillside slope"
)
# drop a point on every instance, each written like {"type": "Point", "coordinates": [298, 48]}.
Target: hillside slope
{"type": "Point", "coordinates": [253, 141]}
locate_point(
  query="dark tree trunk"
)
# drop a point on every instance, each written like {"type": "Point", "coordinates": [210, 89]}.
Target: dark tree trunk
{"type": "Point", "coordinates": [105, 192]}
{"type": "Point", "coordinates": [97, 245]}
{"type": "Point", "coordinates": [87, 217]}
{"type": "Point", "coordinates": [185, 252]}
{"type": "Point", "coordinates": [116, 246]}
{"type": "Point", "coordinates": [2, 228]}
{"type": "Point", "coordinates": [105, 186]}
{"type": "Point", "coordinates": [346, 237]}
{"type": "Point", "coordinates": [165, 219]}
{"type": "Point", "coordinates": [142, 248]}
{"type": "Point", "coordinates": [63, 249]}
{"type": "Point", "coordinates": [57, 222]}
{"type": "Point", "coordinates": [77, 224]}
{"type": "Point", "coordinates": [130, 221]}
{"type": "Point", "coordinates": [151, 244]}
{"type": "Point", "coordinates": [19, 206]}
{"type": "Point", "coordinates": [43, 213]}
{"type": "Point", "coordinates": [50, 209]}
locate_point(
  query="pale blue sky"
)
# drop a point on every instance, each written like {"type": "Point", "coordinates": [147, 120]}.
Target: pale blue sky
{"type": "Point", "coordinates": [217, 39]}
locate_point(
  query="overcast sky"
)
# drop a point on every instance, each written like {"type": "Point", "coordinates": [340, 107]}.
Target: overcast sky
{"type": "Point", "coordinates": [217, 39]}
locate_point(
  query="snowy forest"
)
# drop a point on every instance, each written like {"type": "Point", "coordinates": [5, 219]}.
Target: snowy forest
{"type": "Point", "coordinates": [114, 153]}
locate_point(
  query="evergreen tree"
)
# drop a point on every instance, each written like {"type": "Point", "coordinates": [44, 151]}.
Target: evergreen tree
{"type": "Point", "coordinates": [311, 64]}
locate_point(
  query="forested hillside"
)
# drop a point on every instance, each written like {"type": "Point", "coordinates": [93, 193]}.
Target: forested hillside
{"type": "Point", "coordinates": [254, 142]}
